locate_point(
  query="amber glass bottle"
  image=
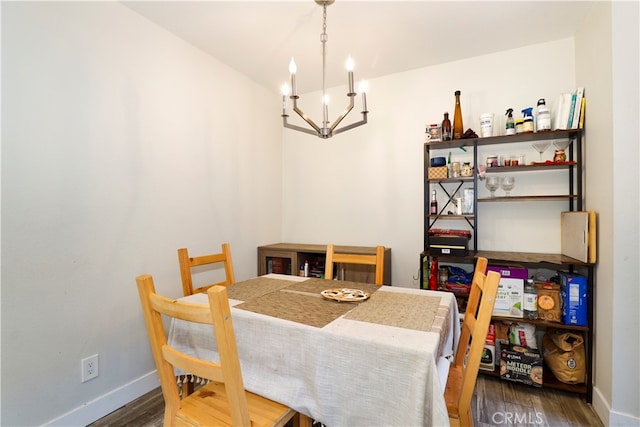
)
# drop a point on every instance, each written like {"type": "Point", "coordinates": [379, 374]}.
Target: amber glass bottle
{"type": "Point", "coordinates": [458, 127]}
{"type": "Point", "coordinates": [446, 128]}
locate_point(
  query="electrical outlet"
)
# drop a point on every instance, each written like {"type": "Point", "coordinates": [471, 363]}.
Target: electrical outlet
{"type": "Point", "coordinates": [89, 366]}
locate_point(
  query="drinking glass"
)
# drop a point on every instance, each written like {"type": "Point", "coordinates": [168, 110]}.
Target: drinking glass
{"type": "Point", "coordinates": [492, 183]}
{"type": "Point", "coordinates": [541, 147]}
{"type": "Point", "coordinates": [507, 183]}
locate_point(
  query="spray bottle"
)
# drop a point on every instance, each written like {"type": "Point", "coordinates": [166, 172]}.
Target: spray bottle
{"type": "Point", "coordinates": [510, 124]}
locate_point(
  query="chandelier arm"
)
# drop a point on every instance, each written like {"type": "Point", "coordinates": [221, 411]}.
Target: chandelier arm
{"type": "Point", "coordinates": [342, 116]}
{"type": "Point", "coordinates": [305, 117]}
{"type": "Point", "coordinates": [298, 128]}
{"type": "Point", "coordinates": [352, 125]}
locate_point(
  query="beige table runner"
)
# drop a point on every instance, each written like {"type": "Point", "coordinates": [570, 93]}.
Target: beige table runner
{"type": "Point", "coordinates": [253, 288]}
{"type": "Point", "coordinates": [301, 308]}
{"type": "Point", "coordinates": [315, 286]}
{"type": "Point", "coordinates": [299, 302]}
{"type": "Point", "coordinates": [419, 312]}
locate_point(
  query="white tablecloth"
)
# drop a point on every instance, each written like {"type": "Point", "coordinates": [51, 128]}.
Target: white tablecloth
{"type": "Point", "coordinates": [348, 373]}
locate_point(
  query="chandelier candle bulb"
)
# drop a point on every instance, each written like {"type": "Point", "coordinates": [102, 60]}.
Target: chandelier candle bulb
{"type": "Point", "coordinates": [363, 89]}
{"type": "Point", "coordinates": [285, 92]}
{"type": "Point", "coordinates": [292, 71]}
{"type": "Point", "coordinates": [350, 73]}
{"type": "Point", "coordinates": [325, 112]}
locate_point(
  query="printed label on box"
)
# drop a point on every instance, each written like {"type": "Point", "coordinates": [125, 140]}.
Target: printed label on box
{"type": "Point", "coordinates": [509, 298]}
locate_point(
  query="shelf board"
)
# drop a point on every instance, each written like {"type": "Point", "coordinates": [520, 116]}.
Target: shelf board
{"type": "Point", "coordinates": [445, 216]}
{"type": "Point", "coordinates": [530, 258]}
{"type": "Point", "coordinates": [548, 197]}
{"type": "Point", "coordinates": [451, 180]}
{"type": "Point", "coordinates": [529, 137]}
{"type": "Point", "coordinates": [548, 380]}
{"type": "Point", "coordinates": [505, 139]}
{"type": "Point", "coordinates": [533, 258]}
{"type": "Point", "coordinates": [531, 167]}
{"type": "Point", "coordinates": [540, 322]}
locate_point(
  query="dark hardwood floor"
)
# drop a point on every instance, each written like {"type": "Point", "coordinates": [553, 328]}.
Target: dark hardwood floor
{"type": "Point", "coordinates": [496, 403]}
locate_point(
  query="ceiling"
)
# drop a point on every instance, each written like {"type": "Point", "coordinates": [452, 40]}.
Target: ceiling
{"type": "Point", "coordinates": [258, 38]}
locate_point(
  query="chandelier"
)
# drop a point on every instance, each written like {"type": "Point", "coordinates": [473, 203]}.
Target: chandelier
{"type": "Point", "coordinates": [327, 130]}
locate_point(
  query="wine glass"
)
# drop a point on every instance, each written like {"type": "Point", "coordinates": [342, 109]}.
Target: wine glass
{"type": "Point", "coordinates": [562, 144]}
{"type": "Point", "coordinates": [541, 147]}
{"type": "Point", "coordinates": [507, 183]}
{"type": "Point", "coordinates": [492, 183]}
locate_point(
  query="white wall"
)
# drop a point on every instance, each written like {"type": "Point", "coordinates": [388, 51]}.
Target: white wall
{"type": "Point", "coordinates": [365, 186]}
{"type": "Point", "coordinates": [607, 64]}
{"type": "Point", "coordinates": [120, 144]}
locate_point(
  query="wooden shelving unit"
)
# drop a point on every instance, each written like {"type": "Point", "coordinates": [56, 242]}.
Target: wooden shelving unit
{"type": "Point", "coordinates": [574, 199]}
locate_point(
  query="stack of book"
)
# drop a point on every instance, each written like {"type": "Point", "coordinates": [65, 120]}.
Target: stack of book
{"type": "Point", "coordinates": [569, 113]}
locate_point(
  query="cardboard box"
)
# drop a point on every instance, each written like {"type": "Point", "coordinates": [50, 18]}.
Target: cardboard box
{"type": "Point", "coordinates": [487, 361]}
{"type": "Point", "coordinates": [521, 364]}
{"type": "Point", "coordinates": [574, 299]}
{"type": "Point", "coordinates": [439, 172]}
{"type": "Point", "coordinates": [510, 295]}
{"type": "Point", "coordinates": [510, 272]}
{"type": "Point", "coordinates": [449, 245]}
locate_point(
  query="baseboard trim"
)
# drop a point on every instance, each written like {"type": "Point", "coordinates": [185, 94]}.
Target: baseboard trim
{"type": "Point", "coordinates": [609, 417]}
{"type": "Point", "coordinates": [107, 403]}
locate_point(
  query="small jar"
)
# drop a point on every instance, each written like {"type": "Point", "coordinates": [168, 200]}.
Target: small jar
{"type": "Point", "coordinates": [527, 125]}
{"type": "Point", "coordinates": [443, 277]}
{"type": "Point", "coordinates": [492, 161]}
{"type": "Point", "coordinates": [519, 125]}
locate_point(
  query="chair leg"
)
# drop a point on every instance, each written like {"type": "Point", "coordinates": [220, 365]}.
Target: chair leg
{"type": "Point", "coordinates": [301, 420]}
{"type": "Point", "coordinates": [187, 386]}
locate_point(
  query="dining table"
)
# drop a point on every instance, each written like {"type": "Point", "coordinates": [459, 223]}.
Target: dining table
{"type": "Point", "coordinates": [367, 363]}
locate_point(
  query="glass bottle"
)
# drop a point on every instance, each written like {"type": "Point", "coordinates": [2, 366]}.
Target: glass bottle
{"type": "Point", "coordinates": [433, 275]}
{"type": "Point", "coordinates": [446, 128]}
{"type": "Point", "coordinates": [458, 127]}
{"type": "Point", "coordinates": [433, 206]}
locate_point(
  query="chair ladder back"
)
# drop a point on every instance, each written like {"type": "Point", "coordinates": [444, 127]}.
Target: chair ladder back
{"type": "Point", "coordinates": [462, 376]}
{"type": "Point", "coordinates": [478, 337]}
{"type": "Point", "coordinates": [223, 401]}
{"type": "Point", "coordinates": [157, 340]}
{"type": "Point", "coordinates": [376, 260]}
{"type": "Point", "coordinates": [187, 263]}
{"type": "Point", "coordinates": [477, 285]}
{"type": "Point", "coordinates": [225, 338]}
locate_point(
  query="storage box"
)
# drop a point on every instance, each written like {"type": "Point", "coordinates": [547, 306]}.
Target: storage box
{"type": "Point", "coordinates": [574, 299]}
{"type": "Point", "coordinates": [549, 305]}
{"type": "Point", "coordinates": [511, 272]}
{"type": "Point", "coordinates": [510, 291]}
{"type": "Point", "coordinates": [487, 361]}
{"type": "Point", "coordinates": [449, 245]}
{"type": "Point", "coordinates": [521, 364]}
{"type": "Point", "coordinates": [439, 172]}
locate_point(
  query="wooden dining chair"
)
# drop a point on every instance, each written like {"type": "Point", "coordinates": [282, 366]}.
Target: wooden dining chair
{"type": "Point", "coordinates": [341, 257]}
{"type": "Point", "coordinates": [223, 401]}
{"type": "Point", "coordinates": [462, 378]}
{"type": "Point", "coordinates": [187, 263]}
